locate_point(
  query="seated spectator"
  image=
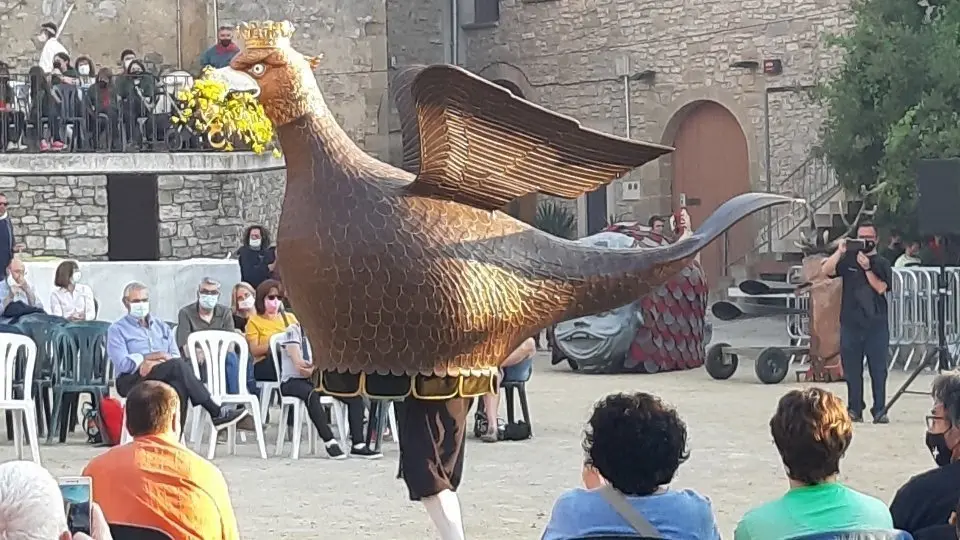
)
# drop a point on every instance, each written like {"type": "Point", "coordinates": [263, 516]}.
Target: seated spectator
{"type": "Point", "coordinates": [63, 72]}
{"type": "Point", "coordinates": [296, 372]}
{"type": "Point", "coordinates": [242, 304]}
{"type": "Point", "coordinates": [102, 106]}
{"type": "Point", "coordinates": [31, 506]}
{"type": "Point", "coordinates": [44, 110]}
{"type": "Point", "coordinates": [126, 58]}
{"type": "Point", "coordinates": [634, 443]}
{"type": "Point", "coordinates": [812, 430]}
{"type": "Point", "coordinates": [136, 87]}
{"type": "Point", "coordinates": [86, 71]}
{"type": "Point", "coordinates": [491, 402]}
{"type": "Point", "coordinates": [928, 499]}
{"type": "Point", "coordinates": [156, 482]}
{"type": "Point", "coordinates": [267, 321]}
{"type": "Point", "coordinates": [257, 257]}
{"type": "Point", "coordinates": [142, 348]}
{"type": "Point", "coordinates": [16, 288]}
{"type": "Point", "coordinates": [13, 119]}
{"type": "Point", "coordinates": [208, 314]}
{"type": "Point", "coordinates": [71, 299]}
{"type": "Point", "coordinates": [910, 257]}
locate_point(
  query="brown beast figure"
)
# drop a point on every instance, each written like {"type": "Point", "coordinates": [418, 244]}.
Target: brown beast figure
{"type": "Point", "coordinates": [824, 295]}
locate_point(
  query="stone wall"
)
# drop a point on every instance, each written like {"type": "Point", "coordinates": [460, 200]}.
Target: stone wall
{"type": "Point", "coordinates": [103, 29]}
{"type": "Point", "coordinates": [351, 36]}
{"type": "Point", "coordinates": [59, 215]}
{"type": "Point", "coordinates": [203, 215]}
{"type": "Point", "coordinates": [566, 53]}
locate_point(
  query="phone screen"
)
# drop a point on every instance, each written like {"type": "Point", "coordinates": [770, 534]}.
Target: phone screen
{"type": "Point", "coordinates": [77, 495]}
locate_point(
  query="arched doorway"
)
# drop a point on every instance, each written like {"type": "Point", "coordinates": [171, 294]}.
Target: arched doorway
{"type": "Point", "coordinates": [524, 208]}
{"type": "Point", "coordinates": [710, 166]}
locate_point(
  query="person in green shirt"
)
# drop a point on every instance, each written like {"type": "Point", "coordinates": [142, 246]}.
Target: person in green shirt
{"type": "Point", "coordinates": [812, 431]}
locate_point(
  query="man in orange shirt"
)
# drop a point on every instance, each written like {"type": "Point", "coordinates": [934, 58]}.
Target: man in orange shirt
{"type": "Point", "coordinates": [157, 482]}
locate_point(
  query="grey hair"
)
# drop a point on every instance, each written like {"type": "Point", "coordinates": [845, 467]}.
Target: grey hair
{"type": "Point", "coordinates": [31, 506]}
{"type": "Point", "coordinates": [210, 281]}
{"type": "Point", "coordinates": [132, 287]}
{"type": "Point", "coordinates": [946, 390]}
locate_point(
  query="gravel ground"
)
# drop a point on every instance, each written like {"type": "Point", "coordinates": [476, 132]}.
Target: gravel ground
{"type": "Point", "coordinates": [509, 487]}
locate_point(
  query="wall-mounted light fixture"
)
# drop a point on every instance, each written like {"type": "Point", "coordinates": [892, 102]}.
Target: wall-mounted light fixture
{"type": "Point", "coordinates": [745, 64]}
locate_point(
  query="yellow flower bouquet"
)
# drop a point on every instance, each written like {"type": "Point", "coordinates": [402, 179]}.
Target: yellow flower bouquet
{"type": "Point", "coordinates": [227, 118]}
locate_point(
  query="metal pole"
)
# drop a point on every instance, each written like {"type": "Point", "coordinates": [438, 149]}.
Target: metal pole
{"type": "Point", "coordinates": [179, 35]}
{"type": "Point", "coordinates": [767, 173]}
{"type": "Point", "coordinates": [455, 32]}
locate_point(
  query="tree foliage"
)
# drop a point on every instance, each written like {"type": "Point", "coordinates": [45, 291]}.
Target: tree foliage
{"type": "Point", "coordinates": [895, 100]}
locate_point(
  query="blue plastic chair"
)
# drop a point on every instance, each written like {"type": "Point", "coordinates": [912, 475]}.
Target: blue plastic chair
{"type": "Point", "coordinates": [515, 380]}
{"type": "Point", "coordinates": [81, 367]}
{"type": "Point", "coordinates": [40, 327]}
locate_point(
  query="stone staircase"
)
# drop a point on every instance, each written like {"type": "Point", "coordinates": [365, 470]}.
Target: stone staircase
{"type": "Point", "coordinates": [775, 249]}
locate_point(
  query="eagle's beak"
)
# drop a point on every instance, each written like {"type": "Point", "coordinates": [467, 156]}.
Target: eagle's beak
{"type": "Point", "coordinates": [236, 81]}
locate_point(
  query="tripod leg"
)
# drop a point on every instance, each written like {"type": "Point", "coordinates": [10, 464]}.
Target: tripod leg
{"type": "Point", "coordinates": [927, 361]}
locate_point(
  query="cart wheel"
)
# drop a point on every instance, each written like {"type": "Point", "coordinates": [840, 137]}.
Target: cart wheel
{"type": "Point", "coordinates": [772, 365]}
{"type": "Point", "coordinates": [721, 366]}
{"type": "Point", "coordinates": [651, 366]}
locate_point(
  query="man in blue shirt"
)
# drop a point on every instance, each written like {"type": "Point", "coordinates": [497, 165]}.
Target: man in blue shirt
{"type": "Point", "coordinates": [143, 348]}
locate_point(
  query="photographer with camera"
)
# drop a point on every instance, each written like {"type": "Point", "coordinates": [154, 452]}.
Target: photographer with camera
{"type": "Point", "coordinates": [863, 318]}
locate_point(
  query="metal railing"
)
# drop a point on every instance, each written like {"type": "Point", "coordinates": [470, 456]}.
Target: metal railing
{"type": "Point", "coordinates": [815, 181]}
{"type": "Point", "coordinates": [125, 113]}
{"type": "Point", "coordinates": [912, 314]}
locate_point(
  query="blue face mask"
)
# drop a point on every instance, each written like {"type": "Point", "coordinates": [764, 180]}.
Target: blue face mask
{"type": "Point", "coordinates": [209, 301]}
{"type": "Point", "coordinates": [140, 310]}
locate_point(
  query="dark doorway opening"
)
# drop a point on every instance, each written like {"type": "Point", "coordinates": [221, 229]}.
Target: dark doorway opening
{"type": "Point", "coordinates": [133, 217]}
{"type": "Point", "coordinates": [596, 210]}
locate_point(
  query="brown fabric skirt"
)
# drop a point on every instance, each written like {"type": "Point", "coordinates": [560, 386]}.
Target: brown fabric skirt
{"type": "Point", "coordinates": [432, 440]}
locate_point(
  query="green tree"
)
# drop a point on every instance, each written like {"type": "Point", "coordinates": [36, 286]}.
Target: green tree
{"type": "Point", "coordinates": [894, 100]}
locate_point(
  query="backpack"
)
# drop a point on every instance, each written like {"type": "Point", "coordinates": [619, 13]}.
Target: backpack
{"type": "Point", "coordinates": [103, 426]}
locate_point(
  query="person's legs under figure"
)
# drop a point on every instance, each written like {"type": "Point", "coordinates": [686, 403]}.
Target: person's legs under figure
{"type": "Point", "coordinates": [251, 379]}
{"type": "Point", "coordinates": [359, 446]}
{"type": "Point", "coordinates": [303, 390]}
{"type": "Point", "coordinates": [432, 440]}
{"type": "Point", "coordinates": [851, 356]}
{"type": "Point", "coordinates": [877, 351]}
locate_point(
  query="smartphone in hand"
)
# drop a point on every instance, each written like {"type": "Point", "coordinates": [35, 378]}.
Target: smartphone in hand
{"type": "Point", "coordinates": [77, 494]}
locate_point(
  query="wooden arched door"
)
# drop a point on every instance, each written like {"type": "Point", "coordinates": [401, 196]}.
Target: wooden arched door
{"type": "Point", "coordinates": [710, 166]}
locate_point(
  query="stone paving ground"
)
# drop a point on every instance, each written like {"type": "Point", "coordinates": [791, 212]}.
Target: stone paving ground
{"type": "Point", "coordinates": [509, 487]}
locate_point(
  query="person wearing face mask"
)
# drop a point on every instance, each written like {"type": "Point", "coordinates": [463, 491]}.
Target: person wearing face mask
{"type": "Point", "coordinates": [267, 321]}
{"type": "Point", "coordinates": [257, 257]}
{"type": "Point", "coordinates": [242, 304]}
{"type": "Point", "coordinates": [207, 313]}
{"type": "Point", "coordinates": [864, 328]}
{"type": "Point", "coordinates": [63, 72]}
{"type": "Point", "coordinates": [140, 347]}
{"type": "Point", "coordinates": [102, 106]}
{"type": "Point", "coordinates": [71, 299]}
{"type": "Point", "coordinates": [15, 290]}
{"type": "Point", "coordinates": [137, 90]}
{"type": "Point", "coordinates": [157, 482]}
{"type": "Point", "coordinates": [929, 499]}
{"type": "Point", "coordinates": [46, 40]}
{"type": "Point", "coordinates": [220, 55]}
{"type": "Point", "coordinates": [86, 71]}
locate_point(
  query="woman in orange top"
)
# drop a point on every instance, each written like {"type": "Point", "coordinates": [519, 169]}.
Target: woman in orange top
{"type": "Point", "coordinates": [266, 322]}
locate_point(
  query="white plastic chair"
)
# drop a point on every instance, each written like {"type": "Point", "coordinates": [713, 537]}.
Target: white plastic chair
{"type": "Point", "coordinates": [22, 409]}
{"type": "Point", "coordinates": [215, 344]}
{"type": "Point", "coordinates": [289, 404]}
{"type": "Point", "coordinates": [269, 388]}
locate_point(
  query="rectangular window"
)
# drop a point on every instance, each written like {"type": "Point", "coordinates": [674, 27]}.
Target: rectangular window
{"type": "Point", "coordinates": [486, 11]}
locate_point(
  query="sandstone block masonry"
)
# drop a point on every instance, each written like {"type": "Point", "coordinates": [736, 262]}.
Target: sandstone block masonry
{"type": "Point", "coordinates": [199, 215]}
{"type": "Point", "coordinates": [203, 215]}
{"type": "Point", "coordinates": [59, 215]}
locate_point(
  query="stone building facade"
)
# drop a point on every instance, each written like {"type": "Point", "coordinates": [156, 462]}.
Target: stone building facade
{"type": "Point", "coordinates": [202, 205]}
